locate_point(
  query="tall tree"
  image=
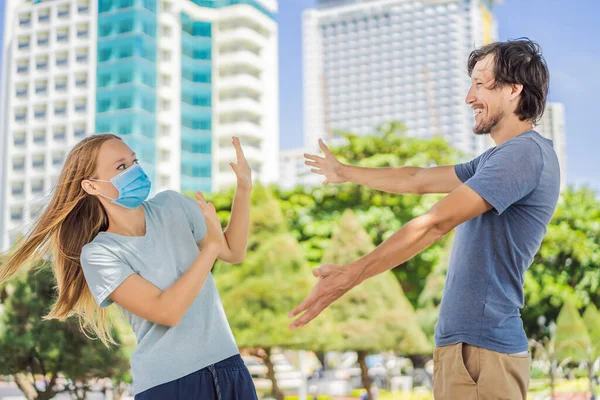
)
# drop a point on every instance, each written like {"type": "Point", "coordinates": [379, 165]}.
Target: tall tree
{"type": "Point", "coordinates": [567, 341]}
{"type": "Point", "coordinates": [591, 319]}
{"type": "Point", "coordinates": [32, 346]}
{"type": "Point", "coordinates": [566, 268]}
{"type": "Point", "coordinates": [572, 337]}
{"type": "Point", "coordinates": [312, 211]}
{"type": "Point", "coordinates": [372, 317]}
{"type": "Point", "coordinates": [259, 293]}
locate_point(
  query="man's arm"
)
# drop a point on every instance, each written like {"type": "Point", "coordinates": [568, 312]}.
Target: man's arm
{"type": "Point", "coordinates": [404, 180]}
{"type": "Point", "coordinates": [399, 180]}
{"type": "Point", "coordinates": [459, 206]}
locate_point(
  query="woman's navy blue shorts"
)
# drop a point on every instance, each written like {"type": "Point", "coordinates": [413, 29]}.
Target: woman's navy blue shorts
{"type": "Point", "coordinates": [226, 380]}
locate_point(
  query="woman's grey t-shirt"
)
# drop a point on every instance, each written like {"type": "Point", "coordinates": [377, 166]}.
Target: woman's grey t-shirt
{"type": "Point", "coordinates": [174, 225]}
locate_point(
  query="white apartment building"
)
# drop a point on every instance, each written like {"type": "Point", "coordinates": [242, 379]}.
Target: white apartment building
{"type": "Point", "coordinates": [175, 79]}
{"type": "Point", "coordinates": [373, 61]}
{"type": "Point", "coordinates": [552, 126]}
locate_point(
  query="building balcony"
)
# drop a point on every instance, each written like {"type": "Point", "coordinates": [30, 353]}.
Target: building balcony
{"type": "Point", "coordinates": [189, 157]}
{"type": "Point", "coordinates": [228, 154]}
{"type": "Point", "coordinates": [240, 129]}
{"type": "Point", "coordinates": [242, 105]}
{"type": "Point", "coordinates": [241, 57]}
{"type": "Point", "coordinates": [242, 34]}
{"type": "Point", "coordinates": [239, 81]}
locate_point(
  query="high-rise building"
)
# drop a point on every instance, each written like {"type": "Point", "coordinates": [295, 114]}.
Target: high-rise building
{"type": "Point", "coordinates": [367, 62]}
{"type": "Point", "coordinates": [294, 172]}
{"type": "Point", "coordinates": [552, 126]}
{"type": "Point", "coordinates": [175, 79]}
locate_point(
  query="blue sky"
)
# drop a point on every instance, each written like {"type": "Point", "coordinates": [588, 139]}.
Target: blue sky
{"type": "Point", "coordinates": [567, 30]}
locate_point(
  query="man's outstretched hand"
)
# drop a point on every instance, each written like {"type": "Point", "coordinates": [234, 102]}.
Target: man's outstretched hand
{"type": "Point", "coordinates": [334, 282]}
{"type": "Point", "coordinates": [328, 165]}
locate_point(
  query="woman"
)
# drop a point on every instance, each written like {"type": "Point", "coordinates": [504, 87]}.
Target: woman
{"type": "Point", "coordinates": [153, 259]}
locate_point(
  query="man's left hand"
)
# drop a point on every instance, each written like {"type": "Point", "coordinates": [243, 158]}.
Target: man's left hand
{"type": "Point", "coordinates": [334, 282]}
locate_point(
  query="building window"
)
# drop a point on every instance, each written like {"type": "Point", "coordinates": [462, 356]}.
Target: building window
{"type": "Point", "coordinates": [59, 134]}
{"type": "Point", "coordinates": [23, 67]}
{"type": "Point", "coordinates": [20, 139]}
{"type": "Point", "coordinates": [103, 105]}
{"type": "Point", "coordinates": [19, 164]}
{"type": "Point", "coordinates": [25, 20]}
{"type": "Point", "coordinates": [165, 155]}
{"type": "Point", "coordinates": [83, 8]}
{"type": "Point", "coordinates": [16, 213]}
{"type": "Point", "coordinates": [44, 16]}
{"type": "Point", "coordinates": [79, 130]}
{"type": "Point", "coordinates": [125, 102]}
{"type": "Point", "coordinates": [57, 159]}
{"type": "Point", "coordinates": [166, 31]}
{"type": "Point", "coordinates": [37, 162]}
{"type": "Point", "coordinates": [63, 12]}
{"type": "Point", "coordinates": [37, 186]}
{"type": "Point", "coordinates": [80, 107]}
{"type": "Point", "coordinates": [18, 189]}
{"type": "Point", "coordinates": [39, 137]}
{"type": "Point", "coordinates": [165, 130]}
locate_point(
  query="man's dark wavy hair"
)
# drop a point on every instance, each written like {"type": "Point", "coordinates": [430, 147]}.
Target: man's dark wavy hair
{"type": "Point", "coordinates": [518, 61]}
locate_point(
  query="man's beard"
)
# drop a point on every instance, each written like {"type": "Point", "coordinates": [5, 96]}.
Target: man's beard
{"type": "Point", "coordinates": [485, 127]}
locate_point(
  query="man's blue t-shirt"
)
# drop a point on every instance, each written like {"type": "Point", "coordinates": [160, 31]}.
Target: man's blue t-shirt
{"type": "Point", "coordinates": [520, 178]}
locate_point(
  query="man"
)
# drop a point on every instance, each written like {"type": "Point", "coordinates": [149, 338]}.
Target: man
{"type": "Point", "coordinates": [500, 202]}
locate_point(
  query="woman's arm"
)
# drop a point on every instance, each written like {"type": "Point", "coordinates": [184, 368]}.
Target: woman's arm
{"type": "Point", "coordinates": [167, 307]}
{"type": "Point", "coordinates": [236, 233]}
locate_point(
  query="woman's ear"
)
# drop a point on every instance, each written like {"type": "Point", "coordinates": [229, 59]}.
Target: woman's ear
{"type": "Point", "coordinates": [88, 186]}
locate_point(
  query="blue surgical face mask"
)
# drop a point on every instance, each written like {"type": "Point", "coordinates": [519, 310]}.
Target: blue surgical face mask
{"type": "Point", "coordinates": [133, 186]}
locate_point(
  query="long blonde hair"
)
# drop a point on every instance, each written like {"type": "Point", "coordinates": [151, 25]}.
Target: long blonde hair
{"type": "Point", "coordinates": [72, 219]}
